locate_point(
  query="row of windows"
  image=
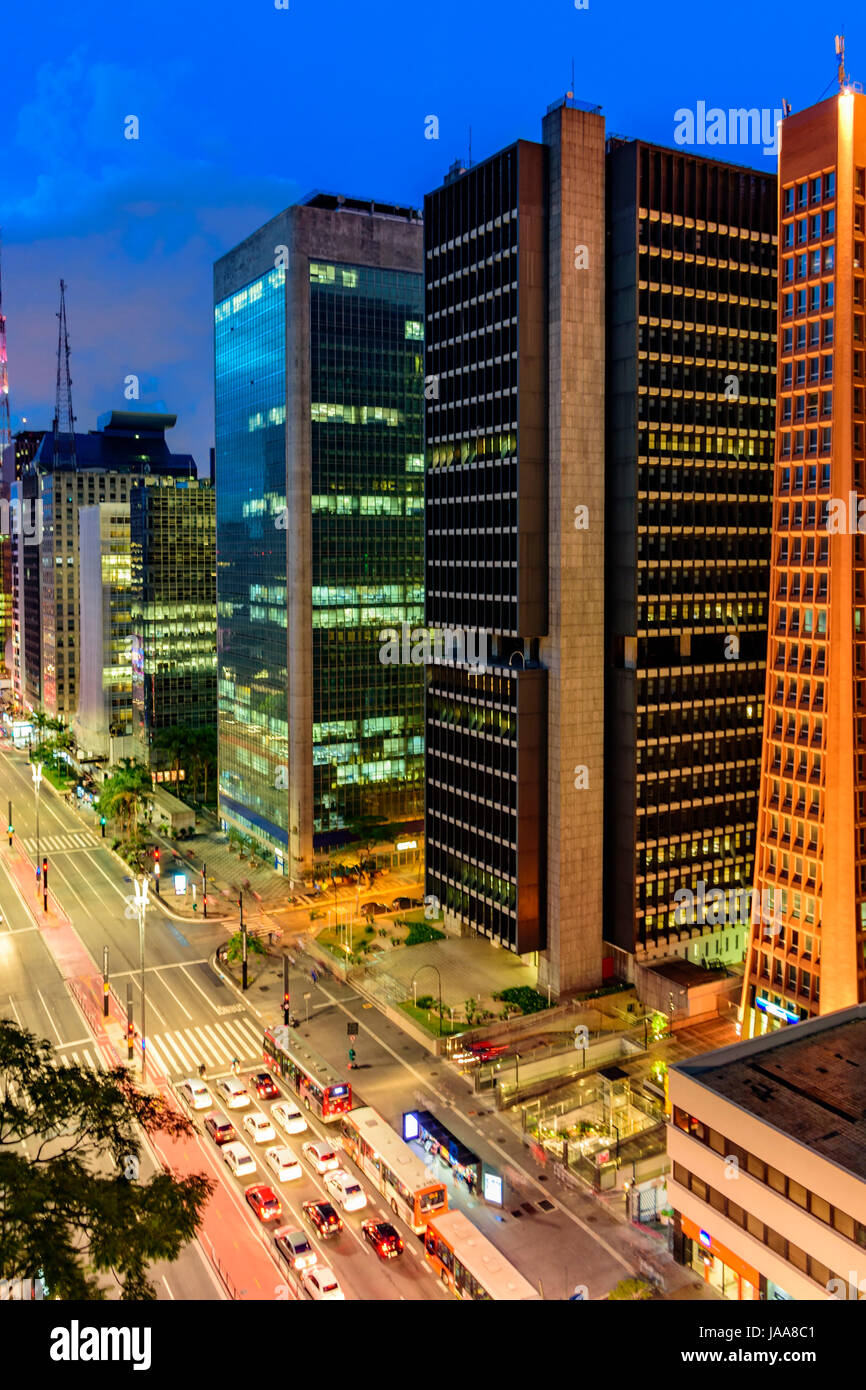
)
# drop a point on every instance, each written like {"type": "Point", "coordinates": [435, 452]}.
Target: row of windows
{"type": "Point", "coordinates": [818, 189]}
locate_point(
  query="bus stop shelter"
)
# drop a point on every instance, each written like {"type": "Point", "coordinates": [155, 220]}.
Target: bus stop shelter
{"type": "Point", "coordinates": [422, 1127]}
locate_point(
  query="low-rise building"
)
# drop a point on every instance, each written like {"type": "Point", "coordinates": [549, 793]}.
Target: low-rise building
{"type": "Point", "coordinates": [768, 1162]}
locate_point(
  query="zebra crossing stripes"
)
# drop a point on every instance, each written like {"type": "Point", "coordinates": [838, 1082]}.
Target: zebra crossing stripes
{"type": "Point", "coordinates": [81, 1059]}
{"type": "Point", "coordinates": [181, 1051]}
{"type": "Point", "coordinates": [60, 844]}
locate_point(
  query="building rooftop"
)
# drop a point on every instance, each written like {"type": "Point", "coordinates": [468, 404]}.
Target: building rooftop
{"type": "Point", "coordinates": [808, 1081]}
{"type": "Point", "coordinates": [684, 972]}
{"type": "Point", "coordinates": [338, 202]}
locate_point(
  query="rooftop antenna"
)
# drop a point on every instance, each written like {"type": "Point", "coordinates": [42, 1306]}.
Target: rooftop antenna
{"type": "Point", "coordinates": [840, 54]}
{"type": "Point", "coordinates": [64, 420]}
{"type": "Point", "coordinates": [5, 422]}
{"type": "Point", "coordinates": [571, 93]}
{"type": "Point", "coordinates": [470, 147]}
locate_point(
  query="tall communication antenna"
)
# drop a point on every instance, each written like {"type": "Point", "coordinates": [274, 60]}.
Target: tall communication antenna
{"type": "Point", "coordinates": [64, 420]}
{"type": "Point", "coordinates": [840, 54]}
{"type": "Point", "coordinates": [5, 419]}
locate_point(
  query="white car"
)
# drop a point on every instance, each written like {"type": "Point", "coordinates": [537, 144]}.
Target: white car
{"type": "Point", "coordinates": [259, 1127]}
{"type": "Point", "coordinates": [289, 1117]}
{"type": "Point", "coordinates": [233, 1094]}
{"type": "Point", "coordinates": [322, 1156]}
{"type": "Point", "coordinates": [283, 1163]}
{"type": "Point", "coordinates": [321, 1283]}
{"type": "Point", "coordinates": [348, 1192]}
{"type": "Point", "coordinates": [196, 1094]}
{"type": "Point", "coordinates": [239, 1159]}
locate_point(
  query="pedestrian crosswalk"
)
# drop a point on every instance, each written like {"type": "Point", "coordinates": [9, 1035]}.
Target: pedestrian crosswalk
{"type": "Point", "coordinates": [62, 844]}
{"type": "Point", "coordinates": [84, 1057]}
{"type": "Point", "coordinates": [181, 1051]}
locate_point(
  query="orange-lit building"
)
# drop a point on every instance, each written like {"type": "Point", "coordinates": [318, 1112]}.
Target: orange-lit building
{"type": "Point", "coordinates": [807, 952]}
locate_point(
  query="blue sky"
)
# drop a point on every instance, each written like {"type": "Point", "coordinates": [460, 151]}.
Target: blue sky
{"type": "Point", "coordinates": [243, 108]}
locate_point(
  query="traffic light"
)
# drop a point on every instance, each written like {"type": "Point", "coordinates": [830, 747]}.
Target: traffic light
{"type": "Point", "coordinates": [351, 1056]}
{"type": "Point", "coordinates": [130, 1037]}
{"type": "Point", "coordinates": [102, 824]}
{"type": "Point", "coordinates": [286, 1008]}
{"type": "Point", "coordinates": [156, 854]}
{"type": "Point", "coordinates": [11, 832]}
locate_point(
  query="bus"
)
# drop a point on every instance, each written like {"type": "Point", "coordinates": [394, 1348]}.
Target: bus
{"type": "Point", "coordinates": [469, 1265]}
{"type": "Point", "coordinates": [313, 1079]}
{"type": "Point", "coordinates": [392, 1167]}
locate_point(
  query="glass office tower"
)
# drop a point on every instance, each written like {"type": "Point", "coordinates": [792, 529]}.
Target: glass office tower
{"type": "Point", "coordinates": [319, 480]}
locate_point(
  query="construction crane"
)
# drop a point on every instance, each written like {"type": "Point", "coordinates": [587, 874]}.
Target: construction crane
{"type": "Point", "coordinates": [64, 420]}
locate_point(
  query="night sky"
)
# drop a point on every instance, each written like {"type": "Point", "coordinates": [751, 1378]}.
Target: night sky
{"type": "Point", "coordinates": [244, 107]}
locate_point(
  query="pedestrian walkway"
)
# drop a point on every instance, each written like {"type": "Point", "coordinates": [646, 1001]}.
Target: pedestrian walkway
{"type": "Point", "coordinates": [180, 1052]}
{"type": "Point", "coordinates": [85, 1057]}
{"type": "Point", "coordinates": [61, 844]}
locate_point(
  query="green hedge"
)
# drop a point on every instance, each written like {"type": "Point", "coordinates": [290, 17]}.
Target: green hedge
{"type": "Point", "coordinates": [419, 932]}
{"type": "Point", "coordinates": [528, 1000]}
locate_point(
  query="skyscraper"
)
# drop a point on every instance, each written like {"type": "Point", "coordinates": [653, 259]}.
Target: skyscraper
{"type": "Point", "coordinates": [691, 380]}
{"type": "Point", "coordinates": [515, 262]}
{"type": "Point", "coordinates": [807, 953]}
{"type": "Point", "coordinates": [319, 481]}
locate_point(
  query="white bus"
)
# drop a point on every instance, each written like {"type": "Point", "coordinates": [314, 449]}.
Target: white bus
{"type": "Point", "coordinates": [403, 1180]}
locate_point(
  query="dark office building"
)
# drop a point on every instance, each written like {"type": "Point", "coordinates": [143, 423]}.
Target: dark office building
{"type": "Point", "coordinates": [126, 445]}
{"type": "Point", "coordinates": [515, 446]}
{"type": "Point", "coordinates": [690, 407]}
{"type": "Point", "coordinates": [15, 457]}
{"type": "Point", "coordinates": [173, 606]}
{"type": "Point", "coordinates": [320, 523]}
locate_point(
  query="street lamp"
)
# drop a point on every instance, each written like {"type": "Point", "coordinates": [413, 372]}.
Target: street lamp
{"type": "Point", "coordinates": [36, 769]}
{"type": "Point", "coordinates": [140, 902]}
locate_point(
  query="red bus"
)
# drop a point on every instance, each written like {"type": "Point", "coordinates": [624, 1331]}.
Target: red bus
{"type": "Point", "coordinates": [312, 1079]}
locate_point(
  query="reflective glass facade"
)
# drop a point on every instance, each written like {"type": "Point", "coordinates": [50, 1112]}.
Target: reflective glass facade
{"type": "Point", "coordinates": [250, 378]}
{"type": "Point", "coordinates": [367, 404]}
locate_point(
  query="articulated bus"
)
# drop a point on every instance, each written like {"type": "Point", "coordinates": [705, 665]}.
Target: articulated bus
{"type": "Point", "coordinates": [313, 1079]}
{"type": "Point", "coordinates": [469, 1265]}
{"type": "Point", "coordinates": [393, 1168]}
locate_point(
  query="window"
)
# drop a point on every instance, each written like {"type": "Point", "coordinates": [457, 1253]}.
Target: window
{"type": "Point", "coordinates": [819, 1207]}
{"type": "Point", "coordinates": [776, 1180]}
{"type": "Point", "coordinates": [798, 1194]}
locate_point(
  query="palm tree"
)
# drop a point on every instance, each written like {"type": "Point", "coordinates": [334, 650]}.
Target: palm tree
{"type": "Point", "coordinates": [124, 792]}
{"type": "Point", "coordinates": [173, 742]}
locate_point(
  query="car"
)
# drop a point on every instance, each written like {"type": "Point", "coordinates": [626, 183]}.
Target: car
{"type": "Point", "coordinates": [219, 1127]}
{"type": "Point", "coordinates": [347, 1190]}
{"type": "Point", "coordinates": [321, 1156]}
{"type": "Point", "coordinates": [486, 1051]}
{"type": "Point", "coordinates": [266, 1086]}
{"type": "Point", "coordinates": [384, 1238]}
{"type": "Point", "coordinates": [233, 1093]}
{"type": "Point", "coordinates": [294, 1247]}
{"type": "Point", "coordinates": [239, 1159]}
{"type": "Point", "coordinates": [283, 1162]}
{"type": "Point", "coordinates": [324, 1218]}
{"type": "Point", "coordinates": [321, 1283]}
{"type": "Point", "coordinates": [264, 1202]}
{"type": "Point", "coordinates": [374, 909]}
{"type": "Point", "coordinates": [259, 1127]}
{"type": "Point", "coordinates": [195, 1093]}
{"type": "Point", "coordinates": [289, 1117]}
{"type": "Point", "coordinates": [401, 904]}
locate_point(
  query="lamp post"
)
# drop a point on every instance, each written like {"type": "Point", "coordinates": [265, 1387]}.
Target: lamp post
{"type": "Point", "coordinates": [140, 890]}
{"type": "Point", "coordinates": [439, 978]}
{"type": "Point", "coordinates": [36, 769]}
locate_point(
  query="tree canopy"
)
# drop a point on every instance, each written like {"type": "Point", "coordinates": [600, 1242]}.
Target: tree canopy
{"type": "Point", "coordinates": [72, 1206]}
{"type": "Point", "coordinates": [124, 791]}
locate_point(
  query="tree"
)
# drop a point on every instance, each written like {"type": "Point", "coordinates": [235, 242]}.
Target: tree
{"type": "Point", "coordinates": [124, 792]}
{"type": "Point", "coordinates": [72, 1203]}
{"type": "Point", "coordinates": [235, 947]}
{"type": "Point", "coordinates": [631, 1289]}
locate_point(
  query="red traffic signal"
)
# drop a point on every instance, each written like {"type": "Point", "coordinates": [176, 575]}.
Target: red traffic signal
{"type": "Point", "coordinates": [44, 866]}
{"type": "Point", "coordinates": [156, 854]}
{"type": "Point", "coordinates": [130, 1031]}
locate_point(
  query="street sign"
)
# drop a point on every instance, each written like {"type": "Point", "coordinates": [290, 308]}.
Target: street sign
{"type": "Point", "coordinates": [352, 1028]}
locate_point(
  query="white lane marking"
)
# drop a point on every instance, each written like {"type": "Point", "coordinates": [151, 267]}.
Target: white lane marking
{"type": "Point", "coordinates": [14, 1010]}
{"type": "Point", "coordinates": [188, 1063]}
{"type": "Point", "coordinates": [50, 1018]}
{"type": "Point", "coordinates": [237, 1039]}
{"type": "Point", "coordinates": [176, 1062]}
{"type": "Point", "coordinates": [167, 1289]}
{"type": "Point", "coordinates": [210, 1048]}
{"type": "Point", "coordinates": [179, 1003]}
{"type": "Point", "coordinates": [197, 986]}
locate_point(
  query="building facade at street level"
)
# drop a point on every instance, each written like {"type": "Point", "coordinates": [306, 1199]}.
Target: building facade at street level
{"type": "Point", "coordinates": [691, 352]}
{"type": "Point", "coordinates": [173, 608]}
{"type": "Point", "coordinates": [768, 1162]}
{"type": "Point", "coordinates": [589, 301]}
{"type": "Point", "coordinates": [103, 721]}
{"type": "Point", "coordinates": [45, 557]}
{"type": "Point", "coordinates": [807, 952]}
{"type": "Point", "coordinates": [320, 495]}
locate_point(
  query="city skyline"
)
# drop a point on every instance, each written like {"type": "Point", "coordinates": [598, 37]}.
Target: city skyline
{"type": "Point", "coordinates": [134, 226]}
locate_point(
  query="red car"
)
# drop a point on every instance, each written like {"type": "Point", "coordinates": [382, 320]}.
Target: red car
{"type": "Point", "coordinates": [486, 1051]}
{"type": "Point", "coordinates": [266, 1086]}
{"type": "Point", "coordinates": [323, 1216]}
{"type": "Point", "coordinates": [264, 1202]}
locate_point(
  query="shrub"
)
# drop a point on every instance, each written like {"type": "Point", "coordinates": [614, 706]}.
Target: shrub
{"type": "Point", "coordinates": [527, 1000]}
{"type": "Point", "coordinates": [425, 1001]}
{"type": "Point", "coordinates": [419, 932]}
